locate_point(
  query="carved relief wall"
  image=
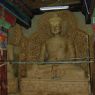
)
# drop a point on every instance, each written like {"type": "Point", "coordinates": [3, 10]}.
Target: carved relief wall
{"type": "Point", "coordinates": [28, 48]}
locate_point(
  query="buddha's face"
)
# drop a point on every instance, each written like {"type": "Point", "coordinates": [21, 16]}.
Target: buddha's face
{"type": "Point", "coordinates": [56, 28]}
{"type": "Point", "coordinates": [55, 24]}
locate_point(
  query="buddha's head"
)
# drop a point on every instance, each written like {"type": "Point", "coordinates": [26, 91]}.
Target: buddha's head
{"type": "Point", "coordinates": [55, 24]}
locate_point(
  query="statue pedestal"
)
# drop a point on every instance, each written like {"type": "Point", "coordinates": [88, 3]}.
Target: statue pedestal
{"type": "Point", "coordinates": [61, 79]}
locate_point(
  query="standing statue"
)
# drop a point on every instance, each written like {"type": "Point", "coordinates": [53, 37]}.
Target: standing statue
{"type": "Point", "coordinates": [58, 47]}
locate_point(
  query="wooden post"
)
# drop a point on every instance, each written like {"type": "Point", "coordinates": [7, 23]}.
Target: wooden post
{"type": "Point", "coordinates": [93, 72]}
{"type": "Point", "coordinates": [0, 74]}
{"type": "Point", "coordinates": [3, 73]}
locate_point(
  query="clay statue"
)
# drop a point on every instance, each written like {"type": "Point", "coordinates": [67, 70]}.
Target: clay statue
{"type": "Point", "coordinates": [57, 48]}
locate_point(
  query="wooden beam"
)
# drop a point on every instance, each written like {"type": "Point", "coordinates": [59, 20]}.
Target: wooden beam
{"type": "Point", "coordinates": [23, 18]}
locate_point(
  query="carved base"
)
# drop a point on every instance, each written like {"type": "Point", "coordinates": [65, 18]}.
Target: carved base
{"type": "Point", "coordinates": [54, 87]}
{"type": "Point", "coordinates": [66, 79]}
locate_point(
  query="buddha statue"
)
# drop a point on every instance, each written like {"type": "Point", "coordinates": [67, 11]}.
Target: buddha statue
{"type": "Point", "coordinates": [58, 47]}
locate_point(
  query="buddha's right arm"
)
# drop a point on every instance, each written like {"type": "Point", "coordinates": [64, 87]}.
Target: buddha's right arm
{"type": "Point", "coordinates": [42, 53]}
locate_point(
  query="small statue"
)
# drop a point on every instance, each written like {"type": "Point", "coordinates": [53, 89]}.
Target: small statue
{"type": "Point", "coordinates": [58, 47]}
